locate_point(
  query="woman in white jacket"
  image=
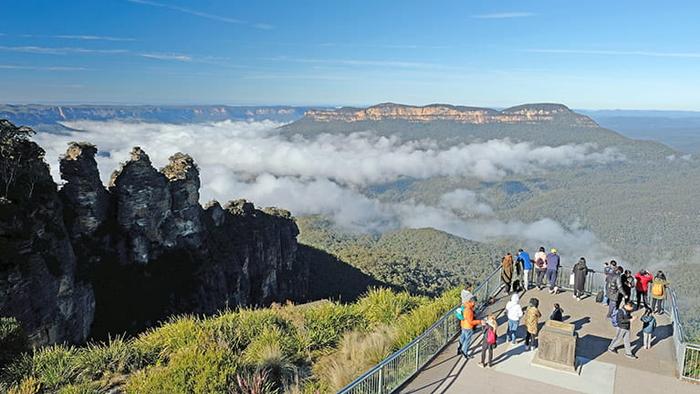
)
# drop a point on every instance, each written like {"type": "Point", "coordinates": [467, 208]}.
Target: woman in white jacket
{"type": "Point", "coordinates": [514, 312]}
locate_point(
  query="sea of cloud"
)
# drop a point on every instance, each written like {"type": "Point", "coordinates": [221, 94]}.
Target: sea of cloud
{"type": "Point", "coordinates": [327, 174]}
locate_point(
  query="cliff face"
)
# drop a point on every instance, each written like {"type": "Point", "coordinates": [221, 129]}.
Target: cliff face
{"type": "Point", "coordinates": [137, 252]}
{"type": "Point", "coordinates": [40, 277]}
{"type": "Point", "coordinates": [530, 113]}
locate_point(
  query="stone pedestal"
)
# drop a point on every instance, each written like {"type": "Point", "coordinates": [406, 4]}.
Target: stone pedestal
{"type": "Point", "coordinates": [557, 346]}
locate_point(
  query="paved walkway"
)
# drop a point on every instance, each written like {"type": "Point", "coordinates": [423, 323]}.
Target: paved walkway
{"type": "Point", "coordinates": [600, 372]}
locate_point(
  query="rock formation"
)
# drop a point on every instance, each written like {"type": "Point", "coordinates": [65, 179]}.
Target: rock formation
{"type": "Point", "coordinates": [529, 113]}
{"type": "Point", "coordinates": [40, 278]}
{"type": "Point", "coordinates": [137, 252]}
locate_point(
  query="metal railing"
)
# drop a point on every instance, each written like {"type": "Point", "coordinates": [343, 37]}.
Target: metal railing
{"type": "Point", "coordinates": [396, 369]}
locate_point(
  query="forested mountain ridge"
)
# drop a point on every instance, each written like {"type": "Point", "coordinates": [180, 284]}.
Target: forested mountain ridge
{"type": "Point", "coordinates": [641, 206]}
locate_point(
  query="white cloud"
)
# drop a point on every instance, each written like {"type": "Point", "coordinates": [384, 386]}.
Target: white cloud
{"type": "Point", "coordinates": [86, 37]}
{"type": "Point", "coordinates": [40, 68]}
{"type": "Point", "coordinates": [359, 159]}
{"type": "Point", "coordinates": [189, 11]}
{"type": "Point", "coordinates": [60, 51]}
{"type": "Point", "coordinates": [614, 52]}
{"type": "Point", "coordinates": [328, 173]}
{"type": "Point", "coordinates": [504, 15]}
{"type": "Point", "coordinates": [167, 56]}
{"type": "Point", "coordinates": [464, 202]}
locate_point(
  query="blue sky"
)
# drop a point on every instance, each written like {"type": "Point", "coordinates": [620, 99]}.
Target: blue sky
{"type": "Point", "coordinates": [592, 54]}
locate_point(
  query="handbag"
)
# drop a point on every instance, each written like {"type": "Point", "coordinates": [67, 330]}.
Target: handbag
{"type": "Point", "coordinates": [572, 279]}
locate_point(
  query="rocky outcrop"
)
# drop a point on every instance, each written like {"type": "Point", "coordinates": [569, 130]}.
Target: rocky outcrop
{"type": "Point", "coordinates": [87, 201]}
{"type": "Point", "coordinates": [529, 113]}
{"type": "Point", "coordinates": [137, 252]}
{"type": "Point", "coordinates": [41, 281]}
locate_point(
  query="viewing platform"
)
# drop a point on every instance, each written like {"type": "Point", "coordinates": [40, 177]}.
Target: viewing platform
{"type": "Point", "coordinates": [430, 363]}
{"type": "Point", "coordinates": [600, 371]}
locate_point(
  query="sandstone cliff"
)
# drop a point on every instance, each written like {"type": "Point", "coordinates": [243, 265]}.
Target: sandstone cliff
{"type": "Point", "coordinates": [527, 114]}
{"type": "Point", "coordinates": [94, 260]}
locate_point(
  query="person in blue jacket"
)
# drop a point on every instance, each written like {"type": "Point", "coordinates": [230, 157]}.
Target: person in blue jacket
{"type": "Point", "coordinates": [527, 267]}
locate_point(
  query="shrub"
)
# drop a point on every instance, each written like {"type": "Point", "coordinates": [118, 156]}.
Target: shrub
{"type": "Point", "coordinates": [358, 352]}
{"type": "Point", "coordinates": [273, 351]}
{"type": "Point", "coordinates": [199, 368]}
{"type": "Point", "coordinates": [13, 340]}
{"type": "Point", "coordinates": [97, 360]}
{"type": "Point", "coordinates": [158, 344]}
{"type": "Point", "coordinates": [55, 366]}
{"type": "Point", "coordinates": [325, 324]}
{"type": "Point", "coordinates": [411, 325]}
{"type": "Point", "coordinates": [28, 385]}
{"type": "Point", "coordinates": [384, 306]}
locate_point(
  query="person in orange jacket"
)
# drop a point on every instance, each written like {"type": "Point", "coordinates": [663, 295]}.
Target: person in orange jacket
{"type": "Point", "coordinates": [468, 324]}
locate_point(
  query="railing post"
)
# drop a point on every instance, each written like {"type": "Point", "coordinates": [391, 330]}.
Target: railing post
{"type": "Point", "coordinates": [418, 356]}
{"type": "Point", "coordinates": [381, 380]}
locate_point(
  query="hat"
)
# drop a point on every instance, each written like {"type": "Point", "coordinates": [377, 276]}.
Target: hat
{"type": "Point", "coordinates": [554, 250]}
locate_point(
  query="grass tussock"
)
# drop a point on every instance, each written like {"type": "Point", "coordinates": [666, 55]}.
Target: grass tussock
{"type": "Point", "coordinates": [283, 349]}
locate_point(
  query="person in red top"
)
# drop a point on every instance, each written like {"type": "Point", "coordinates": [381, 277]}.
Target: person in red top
{"type": "Point", "coordinates": [643, 278]}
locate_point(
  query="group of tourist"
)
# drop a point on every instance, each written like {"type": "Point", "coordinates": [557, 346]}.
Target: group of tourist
{"type": "Point", "coordinates": [544, 269]}
{"type": "Point", "coordinates": [619, 284]}
{"type": "Point", "coordinates": [519, 272]}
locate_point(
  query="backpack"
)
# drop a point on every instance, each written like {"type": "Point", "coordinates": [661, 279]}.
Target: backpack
{"type": "Point", "coordinates": [657, 289]}
{"type": "Point", "coordinates": [613, 318]}
{"type": "Point", "coordinates": [459, 313]}
{"type": "Point", "coordinates": [491, 336]}
{"type": "Point", "coordinates": [599, 297]}
{"type": "Point", "coordinates": [539, 263]}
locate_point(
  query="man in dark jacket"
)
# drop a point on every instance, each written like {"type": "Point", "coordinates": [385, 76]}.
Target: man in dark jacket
{"type": "Point", "coordinates": [613, 288]}
{"type": "Point", "coordinates": [624, 320]}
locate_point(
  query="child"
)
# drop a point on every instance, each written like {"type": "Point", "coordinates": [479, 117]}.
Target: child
{"type": "Point", "coordinates": [648, 327]}
{"type": "Point", "coordinates": [557, 313]}
{"type": "Point", "coordinates": [490, 339]}
{"type": "Point", "coordinates": [532, 318]}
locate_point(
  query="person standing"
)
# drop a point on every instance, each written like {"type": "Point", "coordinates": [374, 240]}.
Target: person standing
{"type": "Point", "coordinates": [527, 268]}
{"type": "Point", "coordinates": [609, 269]}
{"type": "Point", "coordinates": [507, 271]}
{"type": "Point", "coordinates": [648, 327]}
{"type": "Point", "coordinates": [532, 319]}
{"type": "Point", "coordinates": [553, 270]}
{"type": "Point", "coordinates": [658, 292]}
{"type": "Point", "coordinates": [468, 324]}
{"type": "Point", "coordinates": [627, 285]}
{"type": "Point", "coordinates": [514, 312]}
{"type": "Point", "coordinates": [540, 267]}
{"type": "Point", "coordinates": [622, 321]}
{"type": "Point", "coordinates": [489, 341]}
{"type": "Point", "coordinates": [580, 272]}
{"type": "Point", "coordinates": [643, 279]}
{"type": "Point", "coordinates": [612, 283]}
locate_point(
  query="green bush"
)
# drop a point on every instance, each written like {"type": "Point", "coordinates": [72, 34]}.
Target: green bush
{"type": "Point", "coordinates": [55, 366]}
{"type": "Point", "coordinates": [325, 324]}
{"type": "Point", "coordinates": [96, 361]}
{"type": "Point", "coordinates": [384, 306]}
{"type": "Point", "coordinates": [13, 340]}
{"type": "Point", "coordinates": [158, 344]}
{"type": "Point", "coordinates": [316, 347]}
{"type": "Point", "coordinates": [203, 368]}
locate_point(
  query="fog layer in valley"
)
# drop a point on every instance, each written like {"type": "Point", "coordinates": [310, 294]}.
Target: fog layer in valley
{"type": "Point", "coordinates": [328, 173]}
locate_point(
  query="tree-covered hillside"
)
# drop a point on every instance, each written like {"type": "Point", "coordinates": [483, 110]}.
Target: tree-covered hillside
{"type": "Point", "coordinates": [423, 261]}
